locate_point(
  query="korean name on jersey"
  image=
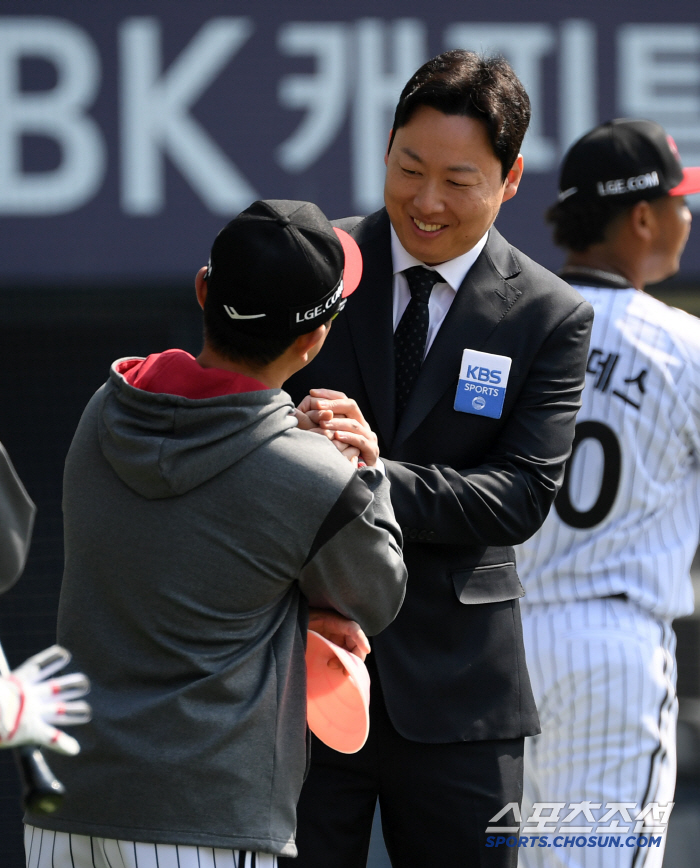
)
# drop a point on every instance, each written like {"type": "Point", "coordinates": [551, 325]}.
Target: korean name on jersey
{"type": "Point", "coordinates": [628, 515]}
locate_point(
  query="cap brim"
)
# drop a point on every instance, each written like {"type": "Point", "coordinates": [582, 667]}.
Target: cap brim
{"type": "Point", "coordinates": [353, 262]}
{"type": "Point", "coordinates": [337, 699]}
{"type": "Point", "coordinates": [690, 183]}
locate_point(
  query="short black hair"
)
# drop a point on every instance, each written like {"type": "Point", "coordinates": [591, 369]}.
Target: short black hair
{"type": "Point", "coordinates": [577, 225]}
{"type": "Point", "coordinates": [464, 83]}
{"type": "Point", "coordinates": [236, 346]}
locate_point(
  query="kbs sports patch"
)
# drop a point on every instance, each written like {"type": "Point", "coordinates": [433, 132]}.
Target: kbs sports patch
{"type": "Point", "coordinates": [483, 379]}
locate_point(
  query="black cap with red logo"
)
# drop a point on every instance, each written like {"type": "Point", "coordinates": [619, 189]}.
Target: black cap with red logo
{"type": "Point", "coordinates": [280, 268]}
{"type": "Point", "coordinates": [625, 161]}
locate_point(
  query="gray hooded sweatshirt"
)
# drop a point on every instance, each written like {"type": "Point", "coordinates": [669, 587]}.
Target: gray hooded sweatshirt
{"type": "Point", "coordinates": [196, 531]}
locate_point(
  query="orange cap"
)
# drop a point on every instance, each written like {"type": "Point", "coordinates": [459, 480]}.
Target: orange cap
{"type": "Point", "coordinates": [337, 698]}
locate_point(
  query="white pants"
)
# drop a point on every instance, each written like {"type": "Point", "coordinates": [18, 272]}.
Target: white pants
{"type": "Point", "coordinates": [604, 674]}
{"type": "Point", "coordinates": [47, 849]}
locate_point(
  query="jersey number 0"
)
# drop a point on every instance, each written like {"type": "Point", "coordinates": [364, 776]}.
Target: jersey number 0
{"type": "Point", "coordinates": [612, 465]}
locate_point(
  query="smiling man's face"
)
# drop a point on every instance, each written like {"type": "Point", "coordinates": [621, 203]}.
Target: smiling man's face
{"type": "Point", "coordinates": [443, 184]}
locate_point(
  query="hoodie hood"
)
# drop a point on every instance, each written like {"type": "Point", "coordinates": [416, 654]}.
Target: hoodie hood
{"type": "Point", "coordinates": [167, 425]}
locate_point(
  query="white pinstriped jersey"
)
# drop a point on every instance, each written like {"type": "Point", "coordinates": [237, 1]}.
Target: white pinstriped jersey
{"type": "Point", "coordinates": [628, 516]}
{"type": "Point", "coordinates": [45, 848]}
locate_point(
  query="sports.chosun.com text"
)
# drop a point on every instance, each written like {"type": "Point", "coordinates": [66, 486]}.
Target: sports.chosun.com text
{"type": "Point", "coordinates": [580, 824]}
{"type": "Point", "coordinates": [574, 841]}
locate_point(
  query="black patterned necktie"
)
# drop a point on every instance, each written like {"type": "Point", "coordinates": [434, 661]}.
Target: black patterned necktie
{"type": "Point", "coordinates": [412, 332]}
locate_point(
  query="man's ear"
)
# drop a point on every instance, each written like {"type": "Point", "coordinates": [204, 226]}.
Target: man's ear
{"type": "Point", "coordinates": [513, 179]}
{"type": "Point", "coordinates": [306, 346]}
{"type": "Point", "coordinates": [388, 144]}
{"type": "Point", "coordinates": [642, 220]}
{"type": "Point", "coordinates": [200, 286]}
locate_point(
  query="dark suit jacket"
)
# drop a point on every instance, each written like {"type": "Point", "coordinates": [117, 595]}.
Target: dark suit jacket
{"type": "Point", "coordinates": [465, 488]}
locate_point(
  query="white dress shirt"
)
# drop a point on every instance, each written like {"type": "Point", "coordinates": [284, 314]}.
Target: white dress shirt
{"type": "Point", "coordinates": [452, 273]}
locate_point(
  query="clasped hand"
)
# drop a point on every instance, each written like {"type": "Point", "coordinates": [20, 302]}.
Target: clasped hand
{"type": "Point", "coordinates": [332, 414]}
{"type": "Point", "coordinates": [341, 631]}
{"type": "Point", "coordinates": [338, 417]}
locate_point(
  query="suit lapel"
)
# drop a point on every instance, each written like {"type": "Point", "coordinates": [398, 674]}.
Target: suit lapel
{"type": "Point", "coordinates": [370, 319]}
{"type": "Point", "coordinates": [481, 302]}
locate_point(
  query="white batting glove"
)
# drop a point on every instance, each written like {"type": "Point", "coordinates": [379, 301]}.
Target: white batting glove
{"type": "Point", "coordinates": [31, 701]}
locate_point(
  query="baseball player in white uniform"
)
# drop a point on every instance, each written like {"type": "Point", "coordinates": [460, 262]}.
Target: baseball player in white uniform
{"type": "Point", "coordinates": [609, 570]}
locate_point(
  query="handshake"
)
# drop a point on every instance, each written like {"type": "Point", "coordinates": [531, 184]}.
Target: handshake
{"type": "Point", "coordinates": [337, 417]}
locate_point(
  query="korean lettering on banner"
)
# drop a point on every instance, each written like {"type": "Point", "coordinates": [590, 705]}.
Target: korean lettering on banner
{"type": "Point", "coordinates": [353, 74]}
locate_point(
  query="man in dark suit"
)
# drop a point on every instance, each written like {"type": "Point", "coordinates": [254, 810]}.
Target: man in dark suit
{"type": "Point", "coordinates": [467, 359]}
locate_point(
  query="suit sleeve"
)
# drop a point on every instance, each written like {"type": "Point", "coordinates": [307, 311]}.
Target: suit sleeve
{"type": "Point", "coordinates": [504, 500]}
{"type": "Point", "coordinates": [355, 565]}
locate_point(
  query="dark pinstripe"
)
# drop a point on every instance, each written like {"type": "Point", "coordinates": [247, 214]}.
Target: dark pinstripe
{"type": "Point", "coordinates": [104, 853]}
{"type": "Point", "coordinates": [31, 847]}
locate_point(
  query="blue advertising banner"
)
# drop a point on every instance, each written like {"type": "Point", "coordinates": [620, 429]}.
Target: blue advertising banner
{"type": "Point", "coordinates": [131, 131]}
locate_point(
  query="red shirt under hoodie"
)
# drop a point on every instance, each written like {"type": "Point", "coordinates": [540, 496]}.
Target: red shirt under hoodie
{"type": "Point", "coordinates": [176, 372]}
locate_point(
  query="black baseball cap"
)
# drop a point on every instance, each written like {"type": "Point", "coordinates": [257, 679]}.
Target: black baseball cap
{"type": "Point", "coordinates": [625, 161]}
{"type": "Point", "coordinates": [280, 268]}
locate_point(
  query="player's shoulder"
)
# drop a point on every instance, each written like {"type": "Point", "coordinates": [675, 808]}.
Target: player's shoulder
{"type": "Point", "coordinates": [654, 326]}
{"type": "Point", "coordinates": [303, 472]}
{"type": "Point", "coordinates": [681, 327]}
{"type": "Point", "coordinates": [313, 459]}
{"type": "Point", "coordinates": [683, 324]}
